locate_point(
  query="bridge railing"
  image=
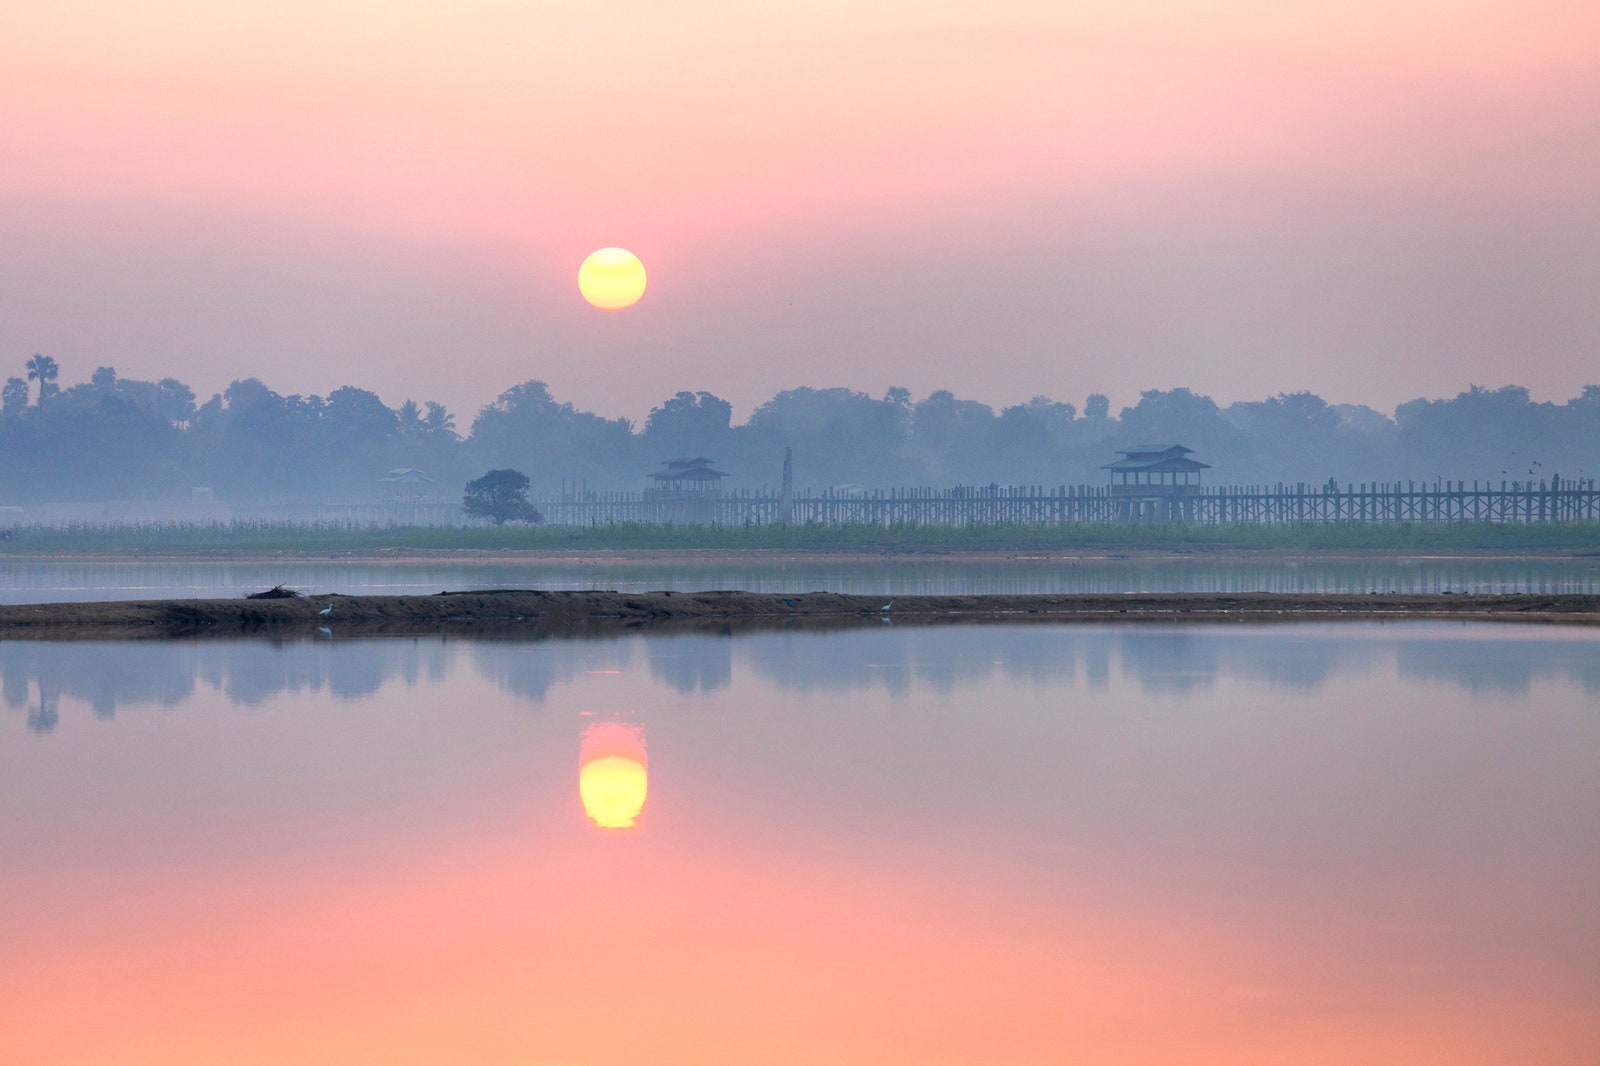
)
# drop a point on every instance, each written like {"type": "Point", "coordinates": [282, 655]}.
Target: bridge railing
{"type": "Point", "coordinates": [1553, 500]}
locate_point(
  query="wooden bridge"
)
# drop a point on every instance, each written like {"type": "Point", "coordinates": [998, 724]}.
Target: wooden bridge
{"type": "Point", "coordinates": [1552, 500]}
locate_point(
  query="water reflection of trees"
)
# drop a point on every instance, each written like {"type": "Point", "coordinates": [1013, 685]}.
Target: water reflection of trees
{"type": "Point", "coordinates": [688, 663]}
{"type": "Point", "coordinates": [531, 668]}
{"type": "Point", "coordinates": [148, 674]}
{"type": "Point", "coordinates": [36, 676]}
{"type": "Point", "coordinates": [692, 664]}
{"type": "Point", "coordinates": [1512, 666]}
{"type": "Point", "coordinates": [104, 676]}
{"type": "Point", "coordinates": [1162, 659]}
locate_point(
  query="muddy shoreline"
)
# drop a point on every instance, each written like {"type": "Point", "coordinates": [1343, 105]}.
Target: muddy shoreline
{"type": "Point", "coordinates": [536, 613]}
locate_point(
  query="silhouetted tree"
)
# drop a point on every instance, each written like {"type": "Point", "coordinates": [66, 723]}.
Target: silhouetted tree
{"type": "Point", "coordinates": [500, 496]}
{"type": "Point", "coordinates": [15, 396]}
{"type": "Point", "coordinates": [173, 400]}
{"type": "Point", "coordinates": [358, 417]}
{"type": "Point", "coordinates": [441, 423]}
{"type": "Point", "coordinates": [951, 435]}
{"type": "Point", "coordinates": [576, 445]}
{"type": "Point", "coordinates": [409, 420]}
{"type": "Point", "coordinates": [1501, 431]}
{"type": "Point", "coordinates": [1296, 436]}
{"type": "Point", "coordinates": [44, 370]}
{"type": "Point", "coordinates": [839, 436]}
{"type": "Point", "coordinates": [689, 424]}
{"type": "Point", "coordinates": [1032, 439]}
{"type": "Point", "coordinates": [1179, 416]}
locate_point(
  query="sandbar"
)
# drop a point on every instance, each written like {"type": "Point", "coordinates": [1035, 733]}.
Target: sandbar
{"type": "Point", "coordinates": [539, 612]}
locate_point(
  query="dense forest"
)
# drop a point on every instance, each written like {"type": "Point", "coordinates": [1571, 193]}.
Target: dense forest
{"type": "Point", "coordinates": [112, 438]}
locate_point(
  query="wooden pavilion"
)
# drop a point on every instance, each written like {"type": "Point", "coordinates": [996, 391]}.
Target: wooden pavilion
{"type": "Point", "coordinates": [688, 479]}
{"type": "Point", "coordinates": [1155, 482]}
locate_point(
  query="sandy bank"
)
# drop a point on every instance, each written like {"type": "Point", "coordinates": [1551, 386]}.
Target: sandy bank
{"type": "Point", "coordinates": [554, 612]}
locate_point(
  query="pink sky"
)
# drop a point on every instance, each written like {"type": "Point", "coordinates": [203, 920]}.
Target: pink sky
{"type": "Point", "coordinates": [1375, 201]}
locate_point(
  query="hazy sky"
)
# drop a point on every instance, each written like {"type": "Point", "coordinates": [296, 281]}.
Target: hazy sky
{"type": "Point", "coordinates": [1372, 200]}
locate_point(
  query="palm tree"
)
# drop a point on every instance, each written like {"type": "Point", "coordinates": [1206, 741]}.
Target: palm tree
{"type": "Point", "coordinates": [411, 423]}
{"type": "Point", "coordinates": [44, 370]}
{"type": "Point", "coordinates": [441, 423]}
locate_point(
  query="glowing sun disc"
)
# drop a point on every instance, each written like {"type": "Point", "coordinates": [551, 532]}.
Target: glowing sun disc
{"type": "Point", "coordinates": [613, 789]}
{"type": "Point", "coordinates": [611, 279]}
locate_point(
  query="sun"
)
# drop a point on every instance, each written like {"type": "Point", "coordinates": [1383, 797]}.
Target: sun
{"type": "Point", "coordinates": [611, 279]}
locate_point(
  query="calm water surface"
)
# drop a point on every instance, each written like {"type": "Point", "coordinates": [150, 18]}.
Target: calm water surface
{"type": "Point", "coordinates": [33, 581]}
{"type": "Point", "coordinates": [1024, 845]}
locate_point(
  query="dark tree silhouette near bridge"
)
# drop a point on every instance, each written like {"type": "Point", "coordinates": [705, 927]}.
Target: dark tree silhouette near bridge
{"type": "Point", "coordinates": [500, 496]}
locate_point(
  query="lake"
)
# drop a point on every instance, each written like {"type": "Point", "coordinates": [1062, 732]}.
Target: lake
{"type": "Point", "coordinates": [1309, 843]}
{"type": "Point", "coordinates": [36, 580]}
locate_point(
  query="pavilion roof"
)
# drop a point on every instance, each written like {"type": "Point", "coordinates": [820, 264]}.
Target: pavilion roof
{"type": "Point", "coordinates": [1178, 463]}
{"type": "Point", "coordinates": [696, 469]}
{"type": "Point", "coordinates": [405, 473]}
{"type": "Point", "coordinates": [1157, 458]}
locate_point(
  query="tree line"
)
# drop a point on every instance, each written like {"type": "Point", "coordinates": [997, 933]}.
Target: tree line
{"type": "Point", "coordinates": [118, 438]}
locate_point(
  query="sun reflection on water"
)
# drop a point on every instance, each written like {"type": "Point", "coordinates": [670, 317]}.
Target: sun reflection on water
{"type": "Point", "coordinates": [613, 774]}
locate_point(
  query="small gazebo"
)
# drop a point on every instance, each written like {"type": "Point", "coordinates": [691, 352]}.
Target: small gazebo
{"type": "Point", "coordinates": [406, 481]}
{"type": "Point", "coordinates": [688, 479]}
{"type": "Point", "coordinates": [1155, 481]}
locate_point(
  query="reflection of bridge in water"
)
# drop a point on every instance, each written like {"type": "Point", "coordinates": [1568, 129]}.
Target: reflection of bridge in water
{"type": "Point", "coordinates": [1554, 500]}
